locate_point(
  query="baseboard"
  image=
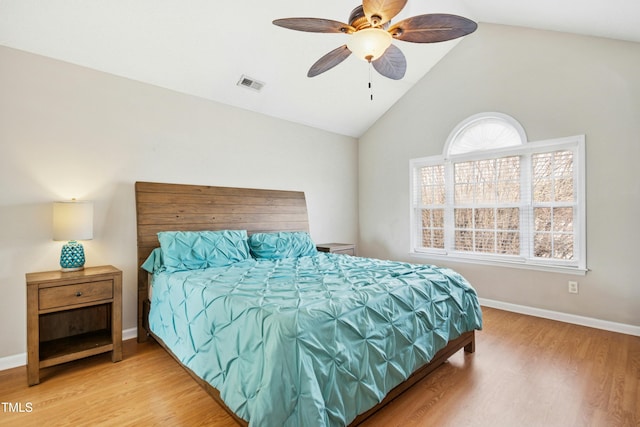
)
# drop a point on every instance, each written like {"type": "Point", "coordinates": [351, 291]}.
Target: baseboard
{"type": "Point", "coordinates": [563, 317]}
{"type": "Point", "coordinates": [17, 360]}
{"type": "Point", "coordinates": [128, 334]}
{"type": "Point", "coordinates": [13, 361]}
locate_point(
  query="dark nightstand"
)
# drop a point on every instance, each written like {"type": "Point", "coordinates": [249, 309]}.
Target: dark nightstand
{"type": "Point", "coordinates": [71, 315]}
{"type": "Point", "coordinates": [337, 248]}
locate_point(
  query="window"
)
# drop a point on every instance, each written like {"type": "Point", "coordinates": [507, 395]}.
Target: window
{"type": "Point", "coordinates": [493, 197]}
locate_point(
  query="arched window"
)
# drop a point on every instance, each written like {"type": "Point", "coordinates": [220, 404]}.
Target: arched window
{"type": "Point", "coordinates": [494, 197]}
{"type": "Point", "coordinates": [485, 131]}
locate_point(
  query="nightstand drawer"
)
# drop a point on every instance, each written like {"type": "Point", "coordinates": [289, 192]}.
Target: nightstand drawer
{"type": "Point", "coordinates": [60, 296]}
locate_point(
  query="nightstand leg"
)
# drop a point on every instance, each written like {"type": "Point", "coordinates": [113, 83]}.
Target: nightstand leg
{"type": "Point", "coordinates": [33, 337]}
{"type": "Point", "coordinates": [33, 374]}
{"type": "Point", "coordinates": [116, 320]}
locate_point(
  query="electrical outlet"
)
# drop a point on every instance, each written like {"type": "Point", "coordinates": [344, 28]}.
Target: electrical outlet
{"type": "Point", "coordinates": [573, 287]}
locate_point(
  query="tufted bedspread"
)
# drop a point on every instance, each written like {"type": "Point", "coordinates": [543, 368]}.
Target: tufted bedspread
{"type": "Point", "coordinates": [309, 341]}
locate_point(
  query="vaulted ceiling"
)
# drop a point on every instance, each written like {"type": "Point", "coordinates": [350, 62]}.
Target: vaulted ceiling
{"type": "Point", "coordinates": [203, 47]}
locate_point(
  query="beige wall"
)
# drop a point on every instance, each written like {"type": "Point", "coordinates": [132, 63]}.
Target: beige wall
{"type": "Point", "coordinates": [66, 131]}
{"type": "Point", "coordinates": [555, 85]}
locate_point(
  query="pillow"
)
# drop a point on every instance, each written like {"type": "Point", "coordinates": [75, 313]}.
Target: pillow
{"type": "Point", "coordinates": [154, 262]}
{"type": "Point", "coordinates": [194, 250]}
{"type": "Point", "coordinates": [282, 245]}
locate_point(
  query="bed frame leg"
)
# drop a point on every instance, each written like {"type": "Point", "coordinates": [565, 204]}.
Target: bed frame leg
{"type": "Point", "coordinates": [471, 347]}
{"type": "Point", "coordinates": [143, 322]}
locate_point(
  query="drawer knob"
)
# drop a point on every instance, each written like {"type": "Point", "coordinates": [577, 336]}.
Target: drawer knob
{"type": "Point", "coordinates": [78, 294]}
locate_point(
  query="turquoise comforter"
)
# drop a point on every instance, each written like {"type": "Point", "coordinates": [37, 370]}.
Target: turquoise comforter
{"type": "Point", "coordinates": [309, 341]}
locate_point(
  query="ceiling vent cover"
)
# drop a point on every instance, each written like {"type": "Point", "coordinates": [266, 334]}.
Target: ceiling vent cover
{"type": "Point", "coordinates": [250, 83]}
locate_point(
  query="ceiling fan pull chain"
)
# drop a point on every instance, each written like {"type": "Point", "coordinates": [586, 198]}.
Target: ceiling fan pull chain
{"type": "Point", "coordinates": [370, 86]}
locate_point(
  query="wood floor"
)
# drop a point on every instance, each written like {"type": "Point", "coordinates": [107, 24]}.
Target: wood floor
{"type": "Point", "coordinates": [526, 371]}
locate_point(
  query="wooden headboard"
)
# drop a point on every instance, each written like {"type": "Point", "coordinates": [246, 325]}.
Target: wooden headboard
{"type": "Point", "coordinates": [179, 207]}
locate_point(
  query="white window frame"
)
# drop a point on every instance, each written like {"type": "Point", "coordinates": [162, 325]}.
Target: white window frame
{"type": "Point", "coordinates": [576, 144]}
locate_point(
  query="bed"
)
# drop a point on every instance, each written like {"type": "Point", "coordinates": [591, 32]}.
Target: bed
{"type": "Point", "coordinates": [278, 333]}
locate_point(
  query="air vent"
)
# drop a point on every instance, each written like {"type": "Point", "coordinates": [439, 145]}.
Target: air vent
{"type": "Point", "coordinates": [250, 83]}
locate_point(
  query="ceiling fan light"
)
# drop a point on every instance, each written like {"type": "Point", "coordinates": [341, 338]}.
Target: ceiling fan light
{"type": "Point", "coordinates": [369, 44]}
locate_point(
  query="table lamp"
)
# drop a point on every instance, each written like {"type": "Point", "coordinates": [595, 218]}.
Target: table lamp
{"type": "Point", "coordinates": [72, 221]}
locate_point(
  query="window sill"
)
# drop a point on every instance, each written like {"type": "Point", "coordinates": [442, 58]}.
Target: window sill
{"type": "Point", "coordinates": [516, 263]}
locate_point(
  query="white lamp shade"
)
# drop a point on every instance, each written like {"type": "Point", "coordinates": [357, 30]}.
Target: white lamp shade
{"type": "Point", "coordinates": [72, 220]}
{"type": "Point", "coordinates": [369, 44]}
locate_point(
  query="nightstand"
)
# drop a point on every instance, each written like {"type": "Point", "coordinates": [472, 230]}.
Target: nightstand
{"type": "Point", "coordinates": [337, 248]}
{"type": "Point", "coordinates": [71, 315]}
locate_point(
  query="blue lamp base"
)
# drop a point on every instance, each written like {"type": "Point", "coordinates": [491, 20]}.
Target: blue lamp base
{"type": "Point", "coordinates": [72, 256]}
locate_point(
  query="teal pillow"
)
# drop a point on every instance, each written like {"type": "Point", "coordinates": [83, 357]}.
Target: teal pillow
{"type": "Point", "coordinates": [289, 244]}
{"type": "Point", "coordinates": [194, 250]}
{"type": "Point", "coordinates": [154, 261]}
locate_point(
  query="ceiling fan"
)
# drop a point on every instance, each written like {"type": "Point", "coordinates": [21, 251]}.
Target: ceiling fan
{"type": "Point", "coordinates": [371, 33]}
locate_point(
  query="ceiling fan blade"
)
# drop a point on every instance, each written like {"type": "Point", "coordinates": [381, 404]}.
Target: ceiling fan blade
{"type": "Point", "coordinates": [329, 61]}
{"type": "Point", "coordinates": [379, 12]}
{"type": "Point", "coordinates": [392, 63]}
{"type": "Point", "coordinates": [314, 25]}
{"type": "Point", "coordinates": [432, 28]}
